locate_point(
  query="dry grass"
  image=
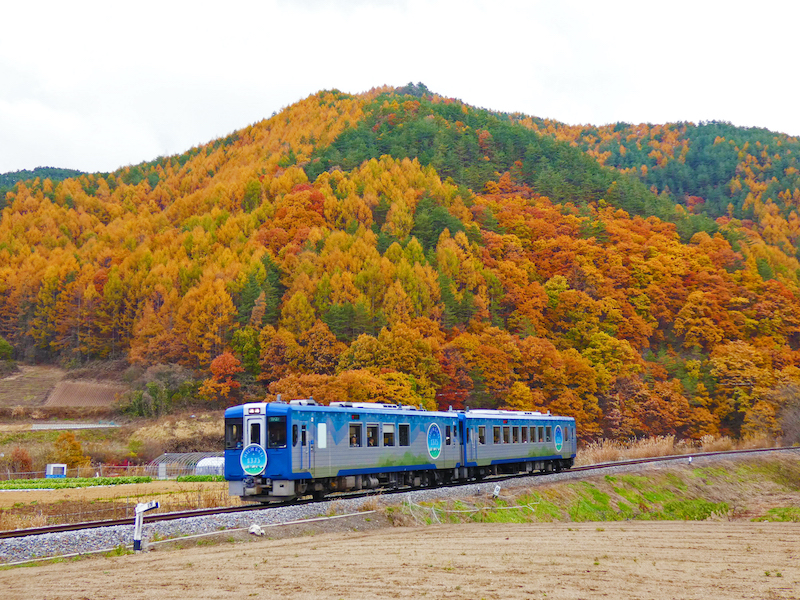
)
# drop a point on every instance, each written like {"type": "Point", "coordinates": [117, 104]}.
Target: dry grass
{"type": "Point", "coordinates": [606, 450]}
{"type": "Point", "coordinates": [335, 508]}
{"type": "Point", "coordinates": [84, 505]}
{"type": "Point", "coordinates": [710, 443]}
{"type": "Point", "coordinates": [183, 426]}
{"type": "Point", "coordinates": [371, 503]}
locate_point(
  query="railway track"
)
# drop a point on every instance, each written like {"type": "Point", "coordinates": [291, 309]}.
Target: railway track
{"type": "Point", "coordinates": [16, 533]}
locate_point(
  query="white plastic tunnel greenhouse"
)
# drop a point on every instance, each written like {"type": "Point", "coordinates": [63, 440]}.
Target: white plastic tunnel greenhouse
{"type": "Point", "coordinates": [175, 464]}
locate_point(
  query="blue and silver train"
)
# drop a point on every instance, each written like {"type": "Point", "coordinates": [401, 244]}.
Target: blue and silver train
{"type": "Point", "coordinates": [279, 451]}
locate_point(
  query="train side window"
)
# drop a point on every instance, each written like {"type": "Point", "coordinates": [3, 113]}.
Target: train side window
{"type": "Point", "coordinates": [496, 434]}
{"type": "Point", "coordinates": [303, 436]}
{"type": "Point", "coordinates": [233, 434]}
{"type": "Point", "coordinates": [533, 435]}
{"type": "Point", "coordinates": [541, 434]}
{"type": "Point", "coordinates": [322, 435]}
{"type": "Point", "coordinates": [506, 435]}
{"type": "Point", "coordinates": [447, 438]}
{"type": "Point", "coordinates": [276, 429]}
{"type": "Point", "coordinates": [482, 435]}
{"type": "Point", "coordinates": [372, 435]}
{"type": "Point", "coordinates": [404, 435]}
{"type": "Point", "coordinates": [548, 434]}
{"type": "Point", "coordinates": [355, 435]}
{"type": "Point", "coordinates": [515, 435]}
{"type": "Point", "coordinates": [468, 436]}
{"type": "Point", "coordinates": [566, 434]}
{"type": "Point", "coordinates": [524, 433]}
{"type": "Point", "coordinates": [388, 434]}
{"type": "Point", "coordinates": [294, 435]}
{"type": "Point", "coordinates": [255, 433]}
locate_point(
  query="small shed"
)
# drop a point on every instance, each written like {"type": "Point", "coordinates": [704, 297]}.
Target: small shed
{"type": "Point", "coordinates": [55, 471]}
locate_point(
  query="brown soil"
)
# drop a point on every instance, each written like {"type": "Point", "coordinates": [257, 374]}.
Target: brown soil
{"type": "Point", "coordinates": [30, 386]}
{"type": "Point", "coordinates": [717, 560]}
{"type": "Point", "coordinates": [84, 393]}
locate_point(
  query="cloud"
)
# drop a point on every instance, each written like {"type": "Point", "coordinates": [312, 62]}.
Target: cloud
{"type": "Point", "coordinates": [97, 85]}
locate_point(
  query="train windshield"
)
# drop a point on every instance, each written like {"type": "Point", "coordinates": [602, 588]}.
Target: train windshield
{"type": "Point", "coordinates": [276, 429]}
{"type": "Point", "coordinates": [233, 434]}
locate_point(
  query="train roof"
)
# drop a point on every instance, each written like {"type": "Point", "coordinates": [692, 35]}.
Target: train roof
{"type": "Point", "coordinates": [310, 403]}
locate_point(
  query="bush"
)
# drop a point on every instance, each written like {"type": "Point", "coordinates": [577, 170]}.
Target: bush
{"type": "Point", "coordinates": [7, 367]}
{"type": "Point", "coordinates": [69, 451]}
{"type": "Point", "coordinates": [21, 461]}
{"type": "Point", "coordinates": [6, 350]}
{"type": "Point", "coordinates": [161, 389]}
{"type": "Point", "coordinates": [789, 397]}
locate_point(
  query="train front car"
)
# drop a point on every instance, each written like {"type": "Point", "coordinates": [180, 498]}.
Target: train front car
{"type": "Point", "coordinates": [507, 442]}
{"type": "Point", "coordinates": [279, 451]}
{"type": "Point", "coordinates": [256, 449]}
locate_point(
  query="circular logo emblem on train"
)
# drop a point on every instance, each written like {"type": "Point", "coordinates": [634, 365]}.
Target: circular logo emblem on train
{"type": "Point", "coordinates": [558, 438]}
{"type": "Point", "coordinates": [434, 441]}
{"type": "Point", "coordinates": [253, 459]}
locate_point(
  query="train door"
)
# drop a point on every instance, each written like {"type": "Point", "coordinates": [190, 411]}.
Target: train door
{"type": "Point", "coordinates": [302, 451]}
{"type": "Point", "coordinates": [462, 430]}
{"type": "Point", "coordinates": [255, 428]}
{"type": "Point", "coordinates": [319, 449]}
{"type": "Point", "coordinates": [470, 443]}
{"type": "Point", "coordinates": [306, 445]}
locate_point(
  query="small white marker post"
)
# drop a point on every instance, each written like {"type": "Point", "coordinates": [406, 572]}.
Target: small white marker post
{"type": "Point", "coordinates": [140, 509]}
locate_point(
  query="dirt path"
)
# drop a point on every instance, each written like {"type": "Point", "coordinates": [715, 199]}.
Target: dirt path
{"type": "Point", "coordinates": [703, 560]}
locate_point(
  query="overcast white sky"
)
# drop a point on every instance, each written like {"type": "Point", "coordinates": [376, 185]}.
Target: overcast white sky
{"type": "Point", "coordinates": [98, 85]}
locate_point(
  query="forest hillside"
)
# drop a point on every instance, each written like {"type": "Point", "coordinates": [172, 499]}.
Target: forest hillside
{"type": "Point", "coordinates": [400, 246]}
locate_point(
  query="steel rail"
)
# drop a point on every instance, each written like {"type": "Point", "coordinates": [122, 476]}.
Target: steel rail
{"type": "Point", "coordinates": [233, 509]}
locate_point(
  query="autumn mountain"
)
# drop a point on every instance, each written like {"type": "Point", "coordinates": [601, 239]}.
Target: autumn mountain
{"type": "Point", "coordinates": [401, 246]}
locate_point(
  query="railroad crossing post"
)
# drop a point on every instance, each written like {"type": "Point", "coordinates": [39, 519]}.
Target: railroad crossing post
{"type": "Point", "coordinates": [141, 508]}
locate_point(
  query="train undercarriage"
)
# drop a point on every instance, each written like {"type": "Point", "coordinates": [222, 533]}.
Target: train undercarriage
{"type": "Point", "coordinates": [259, 489]}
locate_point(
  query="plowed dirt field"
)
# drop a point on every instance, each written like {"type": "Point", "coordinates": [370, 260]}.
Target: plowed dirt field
{"type": "Point", "coordinates": [30, 386]}
{"type": "Point", "coordinates": [703, 560]}
{"type": "Point", "coordinates": [84, 393]}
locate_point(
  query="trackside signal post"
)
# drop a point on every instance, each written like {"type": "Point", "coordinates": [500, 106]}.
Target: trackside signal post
{"type": "Point", "coordinates": [141, 508]}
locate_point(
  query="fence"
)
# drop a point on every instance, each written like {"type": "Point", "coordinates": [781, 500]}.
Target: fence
{"type": "Point", "coordinates": [166, 466]}
{"type": "Point", "coordinates": [91, 471]}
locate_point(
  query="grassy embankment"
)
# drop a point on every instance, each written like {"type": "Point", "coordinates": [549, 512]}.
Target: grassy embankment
{"type": "Point", "coordinates": [758, 489]}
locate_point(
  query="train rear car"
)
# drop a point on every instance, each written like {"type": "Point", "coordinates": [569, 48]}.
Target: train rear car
{"type": "Point", "coordinates": [502, 441]}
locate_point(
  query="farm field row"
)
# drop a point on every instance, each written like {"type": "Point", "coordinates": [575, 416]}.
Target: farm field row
{"type": "Point", "coordinates": [721, 560]}
{"type": "Point", "coordinates": [37, 508]}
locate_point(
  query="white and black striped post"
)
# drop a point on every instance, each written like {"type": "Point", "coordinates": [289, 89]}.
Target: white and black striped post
{"type": "Point", "coordinates": [141, 508]}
